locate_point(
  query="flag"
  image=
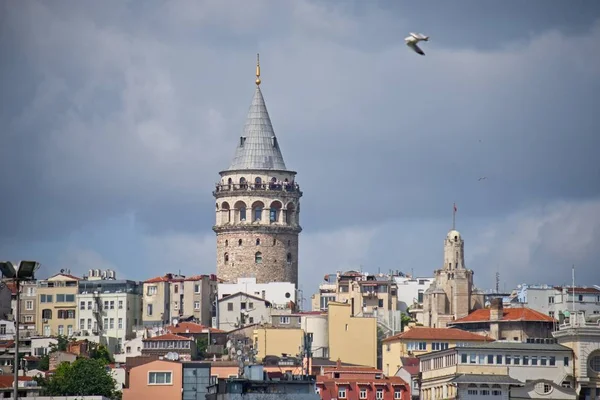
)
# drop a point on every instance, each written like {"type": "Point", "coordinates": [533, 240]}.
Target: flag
{"type": "Point", "coordinates": [455, 209]}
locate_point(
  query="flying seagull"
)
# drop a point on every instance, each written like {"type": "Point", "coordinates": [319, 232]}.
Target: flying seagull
{"type": "Point", "coordinates": [412, 41]}
{"type": "Point", "coordinates": [482, 178]}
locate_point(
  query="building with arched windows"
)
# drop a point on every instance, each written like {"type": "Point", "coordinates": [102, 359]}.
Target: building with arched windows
{"type": "Point", "coordinates": [257, 206]}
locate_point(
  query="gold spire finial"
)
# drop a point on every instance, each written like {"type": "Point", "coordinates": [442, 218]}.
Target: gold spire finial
{"type": "Point", "coordinates": [257, 69]}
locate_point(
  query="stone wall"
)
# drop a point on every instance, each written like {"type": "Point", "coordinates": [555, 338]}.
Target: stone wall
{"type": "Point", "coordinates": [235, 260]}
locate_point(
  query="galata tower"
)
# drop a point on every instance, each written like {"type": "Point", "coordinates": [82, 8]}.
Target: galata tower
{"type": "Point", "coordinates": [258, 205]}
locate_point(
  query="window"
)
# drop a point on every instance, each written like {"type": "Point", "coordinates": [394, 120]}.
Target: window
{"type": "Point", "coordinates": [29, 305]}
{"type": "Point", "coordinates": [61, 329]}
{"type": "Point", "coordinates": [379, 394]}
{"type": "Point", "coordinates": [566, 361]}
{"type": "Point", "coordinates": [82, 305]}
{"type": "Point", "coordinates": [496, 390]}
{"type": "Point", "coordinates": [29, 318]}
{"type": "Point", "coordinates": [525, 360]}
{"type": "Point", "coordinates": [105, 322]}
{"type": "Point", "coordinates": [397, 394]}
{"type": "Point", "coordinates": [229, 306]}
{"type": "Point", "coordinates": [69, 298]}
{"type": "Point", "coordinates": [551, 300]}
{"type": "Point", "coordinates": [120, 304]}
{"type": "Point", "coordinates": [112, 323]}
{"type": "Point", "coordinates": [507, 358]}
{"type": "Point", "coordinates": [149, 309]}
{"type": "Point", "coordinates": [362, 394]}
{"type": "Point", "coordinates": [82, 323]}
{"type": "Point", "coordinates": [463, 358]}
{"type": "Point", "coordinates": [595, 364]}
{"type": "Point", "coordinates": [534, 360]}
{"type": "Point", "coordinates": [242, 214]}
{"type": "Point", "coordinates": [240, 242]}
{"type": "Point", "coordinates": [89, 305]}
{"type": "Point", "coordinates": [196, 305]}
{"type": "Point", "coordinates": [289, 257]}
{"type": "Point", "coordinates": [160, 378]}
{"type": "Point", "coordinates": [45, 298]}
{"type": "Point", "coordinates": [152, 290]}
{"type": "Point", "coordinates": [128, 349]}
{"type": "Point", "coordinates": [543, 360]}
{"type": "Point", "coordinates": [3, 329]}
{"type": "Point", "coordinates": [517, 360]}
{"type": "Point", "coordinates": [46, 314]}
{"type": "Point", "coordinates": [226, 257]}
{"type": "Point", "coordinates": [543, 388]}
{"type": "Point", "coordinates": [176, 288]}
{"type": "Point", "coordinates": [439, 346]}
{"type": "Point", "coordinates": [284, 320]}
{"type": "Point", "coordinates": [69, 330]}
{"type": "Point", "coordinates": [120, 323]}
{"type": "Point", "coordinates": [552, 360]}
{"type": "Point", "coordinates": [258, 242]}
{"type": "Point", "coordinates": [196, 288]}
{"type": "Point", "coordinates": [342, 393]}
{"type": "Point", "coordinates": [490, 359]}
{"type": "Point", "coordinates": [60, 298]}
{"type": "Point", "coordinates": [89, 323]}
{"type": "Point", "coordinates": [419, 346]}
{"type": "Point", "coordinates": [472, 358]}
{"type": "Point", "coordinates": [551, 314]}
{"type": "Point", "coordinates": [472, 390]}
{"type": "Point", "coordinates": [258, 257]}
{"type": "Point", "coordinates": [250, 305]}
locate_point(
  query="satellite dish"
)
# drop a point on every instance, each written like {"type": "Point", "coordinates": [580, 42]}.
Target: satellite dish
{"type": "Point", "coordinates": [62, 271]}
{"type": "Point", "coordinates": [175, 321]}
{"type": "Point", "coordinates": [239, 352]}
{"type": "Point", "coordinates": [172, 356]}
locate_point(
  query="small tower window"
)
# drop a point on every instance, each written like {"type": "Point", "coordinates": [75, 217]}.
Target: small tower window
{"type": "Point", "coordinates": [257, 183]}
{"type": "Point", "coordinates": [242, 213]}
{"type": "Point", "coordinates": [226, 257]}
{"type": "Point", "coordinates": [240, 242]}
{"type": "Point", "coordinates": [258, 257]}
{"type": "Point", "coordinates": [289, 257]}
{"type": "Point", "coordinates": [226, 243]}
{"type": "Point", "coordinates": [243, 183]}
{"type": "Point", "coordinates": [274, 241]}
{"type": "Point", "coordinates": [257, 241]}
{"type": "Point", "coordinates": [289, 242]}
{"type": "Point", "coordinates": [456, 238]}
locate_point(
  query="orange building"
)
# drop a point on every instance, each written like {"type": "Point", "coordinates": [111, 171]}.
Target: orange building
{"type": "Point", "coordinates": [157, 379]}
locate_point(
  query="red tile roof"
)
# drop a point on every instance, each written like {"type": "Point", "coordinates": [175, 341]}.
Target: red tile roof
{"type": "Point", "coordinates": [394, 380]}
{"type": "Point", "coordinates": [197, 277]}
{"type": "Point", "coordinates": [438, 334]}
{"type": "Point", "coordinates": [191, 327]}
{"type": "Point", "coordinates": [510, 314]}
{"type": "Point", "coordinates": [7, 381]}
{"type": "Point", "coordinates": [168, 336]}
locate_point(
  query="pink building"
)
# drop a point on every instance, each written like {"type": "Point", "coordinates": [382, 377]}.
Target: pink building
{"type": "Point", "coordinates": [159, 379]}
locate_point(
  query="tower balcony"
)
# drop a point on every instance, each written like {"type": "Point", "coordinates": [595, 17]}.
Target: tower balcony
{"type": "Point", "coordinates": [271, 188]}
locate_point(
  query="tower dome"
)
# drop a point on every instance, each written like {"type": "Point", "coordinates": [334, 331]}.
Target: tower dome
{"type": "Point", "coordinates": [258, 205]}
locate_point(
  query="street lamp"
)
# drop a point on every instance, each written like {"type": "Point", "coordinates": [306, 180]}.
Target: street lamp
{"type": "Point", "coordinates": [25, 271]}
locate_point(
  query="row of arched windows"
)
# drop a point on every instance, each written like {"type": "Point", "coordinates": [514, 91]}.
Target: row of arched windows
{"type": "Point", "coordinates": [240, 242]}
{"type": "Point", "coordinates": [240, 212]}
{"type": "Point", "coordinates": [258, 259]}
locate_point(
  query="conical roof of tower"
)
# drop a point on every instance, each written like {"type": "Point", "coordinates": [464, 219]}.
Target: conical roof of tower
{"type": "Point", "coordinates": [258, 147]}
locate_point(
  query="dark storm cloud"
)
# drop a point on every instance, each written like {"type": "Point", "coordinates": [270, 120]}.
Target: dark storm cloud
{"type": "Point", "coordinates": [134, 108]}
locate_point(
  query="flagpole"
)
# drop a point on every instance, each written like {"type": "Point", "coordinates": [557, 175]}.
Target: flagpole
{"type": "Point", "coordinates": [454, 217]}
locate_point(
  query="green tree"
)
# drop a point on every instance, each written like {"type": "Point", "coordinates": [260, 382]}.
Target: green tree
{"type": "Point", "coordinates": [61, 344]}
{"type": "Point", "coordinates": [44, 364]}
{"type": "Point", "coordinates": [84, 377]}
{"type": "Point", "coordinates": [202, 346]}
{"type": "Point", "coordinates": [99, 352]}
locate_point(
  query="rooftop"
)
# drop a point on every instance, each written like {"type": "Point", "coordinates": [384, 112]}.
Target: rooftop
{"type": "Point", "coordinates": [424, 333]}
{"type": "Point", "coordinates": [509, 315]}
{"type": "Point", "coordinates": [191, 327]}
{"type": "Point", "coordinates": [167, 336]}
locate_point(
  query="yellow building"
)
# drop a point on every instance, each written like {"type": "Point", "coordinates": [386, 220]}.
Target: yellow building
{"type": "Point", "coordinates": [351, 339]}
{"type": "Point", "coordinates": [274, 341]}
{"type": "Point", "coordinates": [57, 305]}
{"type": "Point", "coordinates": [419, 340]}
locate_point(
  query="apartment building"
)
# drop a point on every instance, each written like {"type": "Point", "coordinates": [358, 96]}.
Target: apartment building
{"type": "Point", "coordinates": [28, 304]}
{"type": "Point", "coordinates": [108, 307]}
{"type": "Point", "coordinates": [241, 309]}
{"type": "Point", "coordinates": [277, 293]}
{"type": "Point", "coordinates": [57, 304]}
{"type": "Point", "coordinates": [173, 296]}
{"type": "Point", "coordinates": [504, 369]}
{"type": "Point", "coordinates": [368, 295]}
{"type": "Point", "coordinates": [559, 301]}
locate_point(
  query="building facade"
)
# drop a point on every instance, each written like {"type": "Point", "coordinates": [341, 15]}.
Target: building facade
{"type": "Point", "coordinates": [257, 206]}
{"type": "Point", "coordinates": [451, 295]}
{"type": "Point", "coordinates": [157, 300]}
{"type": "Point", "coordinates": [559, 301]}
{"type": "Point", "coordinates": [109, 307]}
{"type": "Point", "coordinates": [57, 305]}
{"type": "Point", "coordinates": [277, 293]}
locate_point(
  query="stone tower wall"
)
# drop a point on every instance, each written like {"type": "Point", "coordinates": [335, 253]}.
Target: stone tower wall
{"type": "Point", "coordinates": [454, 252]}
{"type": "Point", "coordinates": [274, 235]}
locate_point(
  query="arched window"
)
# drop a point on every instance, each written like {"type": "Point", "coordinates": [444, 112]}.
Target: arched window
{"type": "Point", "coordinates": [226, 257]}
{"type": "Point", "coordinates": [240, 242]}
{"type": "Point", "coordinates": [258, 257]}
{"type": "Point", "coordinates": [274, 211]}
{"type": "Point", "coordinates": [257, 183]}
{"type": "Point", "coordinates": [274, 241]}
{"type": "Point", "coordinates": [225, 213]}
{"type": "Point", "coordinates": [257, 210]}
{"type": "Point", "coordinates": [243, 183]}
{"type": "Point", "coordinates": [258, 241]}
{"type": "Point", "coordinates": [289, 257]}
{"type": "Point", "coordinates": [289, 242]}
{"type": "Point", "coordinates": [226, 242]}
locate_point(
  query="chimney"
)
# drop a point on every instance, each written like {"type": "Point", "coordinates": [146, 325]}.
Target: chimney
{"type": "Point", "coordinates": [496, 310]}
{"type": "Point", "coordinates": [339, 363]}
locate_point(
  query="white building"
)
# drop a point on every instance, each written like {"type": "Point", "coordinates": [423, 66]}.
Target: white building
{"type": "Point", "coordinates": [317, 325]}
{"type": "Point", "coordinates": [411, 290]}
{"type": "Point", "coordinates": [108, 307]}
{"type": "Point", "coordinates": [241, 309]}
{"type": "Point", "coordinates": [559, 301]}
{"type": "Point", "coordinates": [7, 329]}
{"type": "Point", "coordinates": [274, 292]}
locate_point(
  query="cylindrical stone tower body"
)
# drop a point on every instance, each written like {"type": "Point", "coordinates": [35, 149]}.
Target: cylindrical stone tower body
{"type": "Point", "coordinates": [258, 207]}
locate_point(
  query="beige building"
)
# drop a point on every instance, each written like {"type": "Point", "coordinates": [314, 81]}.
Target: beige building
{"type": "Point", "coordinates": [368, 295]}
{"type": "Point", "coordinates": [257, 206]}
{"type": "Point", "coordinates": [351, 339]}
{"type": "Point", "coordinates": [174, 296]}
{"type": "Point", "coordinates": [416, 341]}
{"type": "Point", "coordinates": [240, 309]}
{"type": "Point", "coordinates": [451, 295]}
{"type": "Point", "coordinates": [498, 369]}
{"type": "Point", "coordinates": [277, 341]}
{"type": "Point", "coordinates": [518, 324]}
{"type": "Point", "coordinates": [583, 337]}
{"type": "Point", "coordinates": [57, 305]}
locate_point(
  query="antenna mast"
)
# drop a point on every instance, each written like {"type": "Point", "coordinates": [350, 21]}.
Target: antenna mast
{"type": "Point", "coordinates": [573, 287]}
{"type": "Point", "coordinates": [497, 282]}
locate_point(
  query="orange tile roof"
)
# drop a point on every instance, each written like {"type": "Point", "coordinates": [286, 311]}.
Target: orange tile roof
{"type": "Point", "coordinates": [438, 334]}
{"type": "Point", "coordinates": [352, 369]}
{"type": "Point", "coordinates": [510, 314]}
{"type": "Point", "coordinates": [168, 336]}
{"type": "Point", "coordinates": [569, 289]}
{"type": "Point", "coordinates": [191, 327]}
{"type": "Point", "coordinates": [394, 380]}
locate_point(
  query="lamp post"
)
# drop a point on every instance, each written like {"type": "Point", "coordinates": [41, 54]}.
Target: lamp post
{"type": "Point", "coordinates": [25, 271]}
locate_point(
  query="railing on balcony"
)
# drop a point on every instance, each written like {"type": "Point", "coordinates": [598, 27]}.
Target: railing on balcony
{"type": "Point", "coordinates": [272, 186]}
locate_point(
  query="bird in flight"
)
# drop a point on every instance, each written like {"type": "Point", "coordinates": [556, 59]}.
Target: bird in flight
{"type": "Point", "coordinates": [482, 178]}
{"type": "Point", "coordinates": [413, 39]}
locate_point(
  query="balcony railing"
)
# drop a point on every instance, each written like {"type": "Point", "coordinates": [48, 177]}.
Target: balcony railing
{"type": "Point", "coordinates": [278, 187]}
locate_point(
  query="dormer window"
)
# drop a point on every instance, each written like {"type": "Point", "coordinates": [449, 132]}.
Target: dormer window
{"type": "Point", "coordinates": [242, 141]}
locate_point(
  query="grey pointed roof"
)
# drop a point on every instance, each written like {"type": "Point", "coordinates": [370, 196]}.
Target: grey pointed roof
{"type": "Point", "coordinates": [258, 147]}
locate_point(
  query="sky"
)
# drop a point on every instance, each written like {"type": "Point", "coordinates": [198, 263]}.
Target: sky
{"type": "Point", "coordinates": [117, 116]}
